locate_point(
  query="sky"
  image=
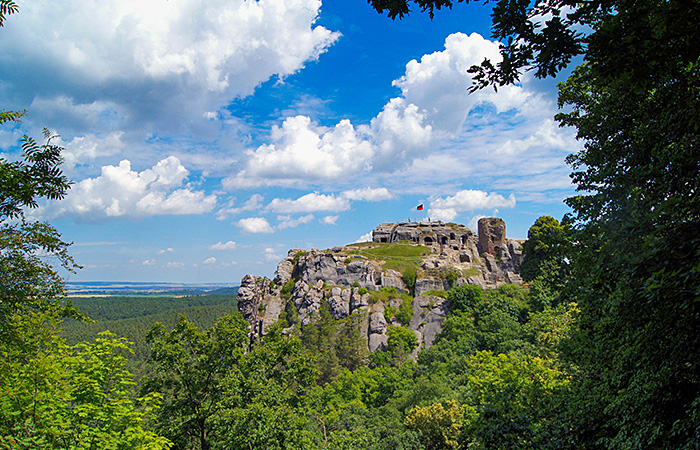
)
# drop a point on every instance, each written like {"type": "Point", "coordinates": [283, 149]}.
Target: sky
{"type": "Point", "coordinates": [207, 139]}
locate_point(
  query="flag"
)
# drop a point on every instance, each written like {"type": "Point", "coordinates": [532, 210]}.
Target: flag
{"type": "Point", "coordinates": [420, 207]}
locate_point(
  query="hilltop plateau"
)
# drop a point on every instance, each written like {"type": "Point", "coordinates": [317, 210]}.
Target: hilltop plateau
{"type": "Point", "coordinates": [397, 279]}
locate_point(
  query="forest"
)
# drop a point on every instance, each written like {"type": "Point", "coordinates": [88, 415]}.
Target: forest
{"type": "Point", "coordinates": [131, 317]}
{"type": "Point", "coordinates": [601, 350]}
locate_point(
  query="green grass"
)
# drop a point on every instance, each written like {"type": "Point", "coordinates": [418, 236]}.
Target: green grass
{"type": "Point", "coordinates": [399, 256]}
{"type": "Point", "coordinates": [397, 251]}
{"type": "Point", "coordinates": [399, 266]}
{"type": "Point", "coordinates": [386, 294]}
{"type": "Point", "coordinates": [402, 256]}
{"type": "Point", "coordinates": [473, 272]}
{"type": "Point", "coordinates": [440, 293]}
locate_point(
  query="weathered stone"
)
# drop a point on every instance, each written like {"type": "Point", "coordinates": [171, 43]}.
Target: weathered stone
{"type": "Point", "coordinates": [414, 352]}
{"type": "Point", "coordinates": [392, 278]}
{"type": "Point", "coordinates": [492, 233]}
{"type": "Point", "coordinates": [377, 342]}
{"type": "Point", "coordinates": [433, 324]}
{"type": "Point", "coordinates": [249, 298]}
{"type": "Point", "coordinates": [358, 301]}
{"type": "Point", "coordinates": [424, 285]}
{"type": "Point", "coordinates": [425, 233]}
{"type": "Point", "coordinates": [311, 303]}
{"type": "Point", "coordinates": [338, 307]}
{"type": "Point", "coordinates": [513, 278]}
{"type": "Point", "coordinates": [284, 270]}
{"type": "Point", "coordinates": [377, 323]}
{"type": "Point", "coordinates": [355, 267]}
{"type": "Point", "coordinates": [274, 306]}
{"type": "Point", "coordinates": [491, 263]}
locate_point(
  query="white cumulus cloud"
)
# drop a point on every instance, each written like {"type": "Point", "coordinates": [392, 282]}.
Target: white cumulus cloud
{"type": "Point", "coordinates": [434, 105]}
{"type": "Point", "coordinates": [209, 261]}
{"type": "Point", "coordinates": [120, 192]}
{"type": "Point", "coordinates": [233, 207]}
{"type": "Point", "coordinates": [329, 220]}
{"type": "Point", "coordinates": [367, 237]}
{"type": "Point", "coordinates": [85, 148]}
{"type": "Point", "coordinates": [448, 208]}
{"type": "Point", "coordinates": [309, 203]}
{"type": "Point", "coordinates": [181, 57]}
{"type": "Point", "coordinates": [439, 83]}
{"type": "Point", "coordinates": [270, 255]}
{"type": "Point", "coordinates": [303, 152]}
{"type": "Point", "coordinates": [368, 194]}
{"type": "Point", "coordinates": [255, 225]}
{"type": "Point", "coordinates": [229, 245]}
{"type": "Point", "coordinates": [289, 222]}
{"type": "Point", "coordinates": [400, 131]}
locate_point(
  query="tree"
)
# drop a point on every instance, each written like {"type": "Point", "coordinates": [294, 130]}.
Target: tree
{"type": "Point", "coordinates": [29, 282]}
{"type": "Point", "coordinates": [636, 265]}
{"type": "Point", "coordinates": [264, 403]}
{"type": "Point", "coordinates": [188, 367]}
{"type": "Point", "coordinates": [62, 397]}
{"type": "Point", "coordinates": [495, 318]}
{"type": "Point", "coordinates": [439, 425]}
{"type": "Point", "coordinates": [637, 108]}
{"type": "Point", "coordinates": [512, 400]}
{"type": "Point", "coordinates": [401, 342]}
{"type": "Point", "coordinates": [547, 242]}
{"type": "Point", "coordinates": [53, 396]}
{"type": "Point", "coordinates": [218, 394]}
{"type": "Point", "coordinates": [465, 298]}
{"type": "Point", "coordinates": [527, 41]}
{"type": "Point", "coordinates": [7, 7]}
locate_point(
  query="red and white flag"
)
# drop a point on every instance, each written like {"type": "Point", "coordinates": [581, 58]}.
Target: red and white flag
{"type": "Point", "coordinates": [419, 207]}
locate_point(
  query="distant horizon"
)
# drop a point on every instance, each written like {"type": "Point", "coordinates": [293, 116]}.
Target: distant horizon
{"type": "Point", "coordinates": [148, 283]}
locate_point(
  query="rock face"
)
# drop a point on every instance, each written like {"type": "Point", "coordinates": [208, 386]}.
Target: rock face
{"type": "Point", "coordinates": [344, 278]}
{"type": "Point", "coordinates": [492, 234]}
{"type": "Point", "coordinates": [424, 233]}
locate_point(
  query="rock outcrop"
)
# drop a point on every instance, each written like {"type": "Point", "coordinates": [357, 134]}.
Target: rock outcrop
{"type": "Point", "coordinates": [492, 234]}
{"type": "Point", "coordinates": [345, 277]}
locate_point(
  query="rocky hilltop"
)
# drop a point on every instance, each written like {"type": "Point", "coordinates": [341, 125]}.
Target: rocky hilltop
{"type": "Point", "coordinates": [409, 261]}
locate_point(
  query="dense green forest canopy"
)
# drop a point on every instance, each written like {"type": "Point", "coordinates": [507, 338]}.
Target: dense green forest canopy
{"type": "Point", "coordinates": [131, 317]}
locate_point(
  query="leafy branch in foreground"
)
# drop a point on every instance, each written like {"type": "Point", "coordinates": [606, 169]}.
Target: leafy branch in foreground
{"type": "Point", "coordinates": [30, 251]}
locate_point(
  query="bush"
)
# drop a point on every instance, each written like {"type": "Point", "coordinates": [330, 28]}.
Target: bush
{"type": "Point", "coordinates": [389, 313]}
{"type": "Point", "coordinates": [405, 311]}
{"type": "Point", "coordinates": [465, 297]}
{"type": "Point", "coordinates": [409, 277]}
{"type": "Point", "coordinates": [287, 289]}
{"type": "Point", "coordinates": [451, 278]}
{"type": "Point", "coordinates": [402, 340]}
{"type": "Point", "coordinates": [385, 294]}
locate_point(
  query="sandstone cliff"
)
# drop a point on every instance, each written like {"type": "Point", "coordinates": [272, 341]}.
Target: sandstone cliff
{"type": "Point", "coordinates": [421, 259]}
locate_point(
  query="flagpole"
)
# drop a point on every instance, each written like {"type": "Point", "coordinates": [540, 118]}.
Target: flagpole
{"type": "Point", "coordinates": [420, 208]}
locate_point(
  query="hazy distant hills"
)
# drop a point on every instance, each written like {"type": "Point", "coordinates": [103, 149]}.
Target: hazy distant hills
{"type": "Point", "coordinates": [130, 309]}
{"type": "Point", "coordinates": [149, 288]}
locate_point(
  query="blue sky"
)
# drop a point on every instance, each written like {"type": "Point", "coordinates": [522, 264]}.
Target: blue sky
{"type": "Point", "coordinates": [206, 139]}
